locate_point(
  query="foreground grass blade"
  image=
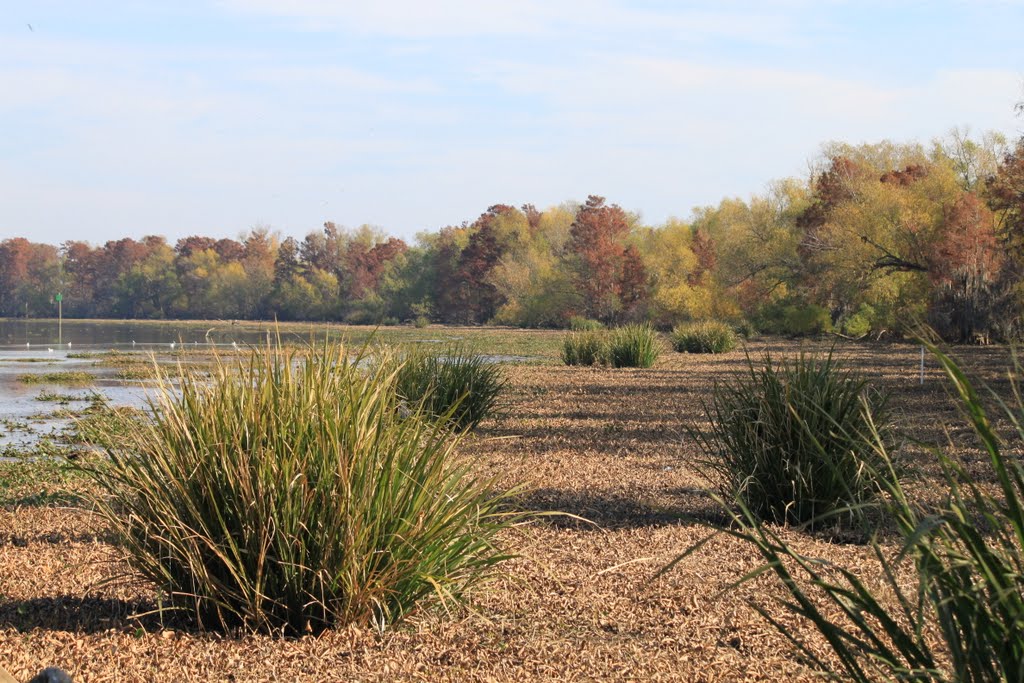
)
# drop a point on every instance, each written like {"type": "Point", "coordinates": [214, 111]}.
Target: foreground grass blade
{"type": "Point", "coordinates": [967, 556]}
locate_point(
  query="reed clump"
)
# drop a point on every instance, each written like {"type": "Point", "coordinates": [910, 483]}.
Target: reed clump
{"type": "Point", "coordinates": [286, 492]}
{"type": "Point", "coordinates": [449, 381]}
{"type": "Point", "coordinates": [704, 336]}
{"type": "Point", "coordinates": [961, 619]}
{"type": "Point", "coordinates": [633, 346]}
{"type": "Point", "coordinates": [793, 440]}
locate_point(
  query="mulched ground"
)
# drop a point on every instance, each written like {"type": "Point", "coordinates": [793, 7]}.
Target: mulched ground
{"type": "Point", "coordinates": [580, 602]}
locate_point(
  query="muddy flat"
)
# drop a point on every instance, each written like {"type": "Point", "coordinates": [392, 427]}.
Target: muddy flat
{"type": "Point", "coordinates": [582, 599]}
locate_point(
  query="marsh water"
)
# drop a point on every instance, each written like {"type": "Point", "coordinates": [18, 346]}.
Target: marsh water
{"type": "Point", "coordinates": [33, 410]}
{"type": "Point", "coordinates": [23, 334]}
{"type": "Point", "coordinates": [30, 410]}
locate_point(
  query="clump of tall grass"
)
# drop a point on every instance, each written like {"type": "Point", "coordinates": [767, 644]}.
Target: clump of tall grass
{"type": "Point", "coordinates": [449, 381]}
{"type": "Point", "coordinates": [705, 336]}
{"type": "Point", "coordinates": [585, 348]}
{"type": "Point", "coordinates": [633, 346]}
{"type": "Point", "coordinates": [969, 557]}
{"type": "Point", "coordinates": [792, 441]}
{"type": "Point", "coordinates": [285, 493]}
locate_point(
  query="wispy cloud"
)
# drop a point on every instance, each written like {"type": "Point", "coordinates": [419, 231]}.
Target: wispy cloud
{"type": "Point", "coordinates": [359, 80]}
{"type": "Point", "coordinates": [525, 18]}
{"type": "Point", "coordinates": [191, 117]}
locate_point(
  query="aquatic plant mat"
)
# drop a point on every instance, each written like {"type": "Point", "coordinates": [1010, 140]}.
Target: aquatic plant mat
{"type": "Point", "coordinates": [578, 603]}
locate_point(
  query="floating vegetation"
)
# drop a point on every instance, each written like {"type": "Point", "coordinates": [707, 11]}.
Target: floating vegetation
{"type": "Point", "coordinates": [67, 377]}
{"type": "Point", "coordinates": [104, 426]}
{"type": "Point", "coordinates": [56, 397]}
{"type": "Point", "coordinates": [137, 372]}
{"type": "Point", "coordinates": [12, 426]}
{"type": "Point", "coordinates": [39, 483]}
{"type": "Point", "coordinates": [38, 449]}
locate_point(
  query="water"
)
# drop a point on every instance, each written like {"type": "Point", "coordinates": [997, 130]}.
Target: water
{"type": "Point", "coordinates": [36, 335]}
{"type": "Point", "coordinates": [38, 346]}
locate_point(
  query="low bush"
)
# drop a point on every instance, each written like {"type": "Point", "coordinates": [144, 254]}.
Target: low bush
{"type": "Point", "coordinates": [961, 619]}
{"type": "Point", "coordinates": [708, 336]}
{"type": "Point", "coordinates": [792, 440]}
{"type": "Point", "coordinates": [578, 323]}
{"type": "Point", "coordinates": [858, 324]}
{"type": "Point", "coordinates": [633, 346]}
{"type": "Point", "coordinates": [745, 328]}
{"type": "Point", "coordinates": [285, 493]}
{"type": "Point", "coordinates": [585, 348]}
{"type": "Point", "coordinates": [450, 382]}
{"type": "Point", "coordinates": [794, 318]}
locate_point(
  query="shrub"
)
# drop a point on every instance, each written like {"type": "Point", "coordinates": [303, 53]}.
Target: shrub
{"type": "Point", "coordinates": [578, 323]}
{"type": "Point", "coordinates": [285, 493]}
{"type": "Point", "coordinates": [745, 329]}
{"type": "Point", "coordinates": [709, 336]}
{"type": "Point", "coordinates": [792, 441]}
{"type": "Point", "coordinates": [584, 348]}
{"type": "Point", "coordinates": [858, 324]}
{"type": "Point", "coordinates": [795, 318]}
{"type": "Point", "coordinates": [807, 321]}
{"type": "Point", "coordinates": [450, 382]}
{"type": "Point", "coordinates": [969, 561]}
{"type": "Point", "coordinates": [633, 346]}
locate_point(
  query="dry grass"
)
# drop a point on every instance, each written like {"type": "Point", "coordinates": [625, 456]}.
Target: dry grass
{"type": "Point", "coordinates": [579, 603]}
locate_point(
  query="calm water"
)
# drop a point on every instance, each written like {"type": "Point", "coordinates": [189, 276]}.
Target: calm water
{"type": "Point", "coordinates": [39, 347]}
{"type": "Point", "coordinates": [86, 335]}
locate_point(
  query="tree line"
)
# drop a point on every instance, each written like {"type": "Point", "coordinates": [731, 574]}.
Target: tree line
{"type": "Point", "coordinates": [877, 236]}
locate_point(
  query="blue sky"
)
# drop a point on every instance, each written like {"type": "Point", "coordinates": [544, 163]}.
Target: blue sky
{"type": "Point", "coordinates": [127, 118]}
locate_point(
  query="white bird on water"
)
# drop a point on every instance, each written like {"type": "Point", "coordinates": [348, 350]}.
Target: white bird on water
{"type": "Point", "coordinates": [133, 343]}
{"type": "Point", "coordinates": [172, 345]}
{"type": "Point", "coordinates": [28, 345]}
{"type": "Point", "coordinates": [49, 350]}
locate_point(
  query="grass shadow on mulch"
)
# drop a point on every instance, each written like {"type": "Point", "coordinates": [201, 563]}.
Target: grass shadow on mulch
{"type": "Point", "coordinates": [606, 510]}
{"type": "Point", "coordinates": [86, 615]}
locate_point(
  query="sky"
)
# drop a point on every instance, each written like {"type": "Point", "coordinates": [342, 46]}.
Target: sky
{"type": "Point", "coordinates": [124, 118]}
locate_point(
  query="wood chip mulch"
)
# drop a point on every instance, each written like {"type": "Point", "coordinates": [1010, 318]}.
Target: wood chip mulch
{"type": "Point", "coordinates": [581, 601]}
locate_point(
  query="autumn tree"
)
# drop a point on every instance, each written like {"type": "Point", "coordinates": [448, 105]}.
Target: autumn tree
{"type": "Point", "coordinates": [868, 230]}
{"type": "Point", "coordinates": [973, 160]}
{"type": "Point", "coordinates": [607, 271]}
{"type": "Point", "coordinates": [84, 270]}
{"type": "Point", "coordinates": [534, 287]}
{"type": "Point", "coordinates": [149, 287]}
{"type": "Point", "coordinates": [474, 298]}
{"type": "Point", "coordinates": [965, 266]}
{"type": "Point", "coordinates": [258, 258]}
{"type": "Point", "coordinates": [29, 278]}
{"type": "Point", "coordinates": [1004, 193]}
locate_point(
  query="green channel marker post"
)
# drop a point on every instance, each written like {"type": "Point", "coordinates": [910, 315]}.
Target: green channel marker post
{"type": "Point", "coordinates": [60, 318]}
